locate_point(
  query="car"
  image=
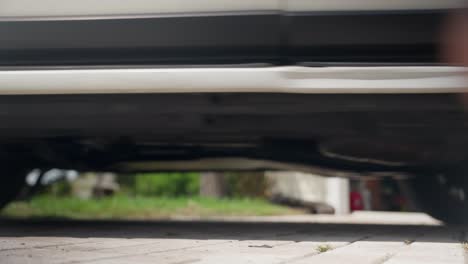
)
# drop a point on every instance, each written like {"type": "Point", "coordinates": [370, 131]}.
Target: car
{"type": "Point", "coordinates": [339, 87]}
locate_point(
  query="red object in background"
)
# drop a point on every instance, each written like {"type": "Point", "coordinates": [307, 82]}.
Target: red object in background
{"type": "Point", "coordinates": [356, 202]}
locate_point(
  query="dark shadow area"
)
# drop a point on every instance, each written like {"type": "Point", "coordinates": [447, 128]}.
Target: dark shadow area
{"type": "Point", "coordinates": [228, 230]}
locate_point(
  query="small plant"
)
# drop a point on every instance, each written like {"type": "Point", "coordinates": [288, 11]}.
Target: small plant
{"type": "Point", "coordinates": [323, 248]}
{"type": "Point", "coordinates": [408, 241]}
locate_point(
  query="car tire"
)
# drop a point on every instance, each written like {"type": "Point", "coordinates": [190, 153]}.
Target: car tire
{"type": "Point", "coordinates": [11, 185]}
{"type": "Point", "coordinates": [444, 196]}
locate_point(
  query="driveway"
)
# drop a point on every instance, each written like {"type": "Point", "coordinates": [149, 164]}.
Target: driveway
{"type": "Point", "coordinates": [359, 238]}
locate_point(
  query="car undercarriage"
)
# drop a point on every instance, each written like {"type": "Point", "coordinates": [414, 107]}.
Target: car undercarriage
{"type": "Point", "coordinates": [347, 92]}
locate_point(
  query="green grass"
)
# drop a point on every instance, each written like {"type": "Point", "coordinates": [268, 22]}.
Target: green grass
{"type": "Point", "coordinates": [125, 207]}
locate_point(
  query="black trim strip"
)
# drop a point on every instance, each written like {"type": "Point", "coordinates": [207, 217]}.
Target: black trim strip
{"type": "Point", "coordinates": [365, 37]}
{"type": "Point", "coordinates": [406, 37]}
{"type": "Point", "coordinates": [156, 40]}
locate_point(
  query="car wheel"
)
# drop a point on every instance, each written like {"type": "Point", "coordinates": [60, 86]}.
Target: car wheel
{"type": "Point", "coordinates": [443, 196]}
{"type": "Point", "coordinates": [11, 185]}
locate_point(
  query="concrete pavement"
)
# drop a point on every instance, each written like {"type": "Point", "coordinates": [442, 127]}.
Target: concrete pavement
{"type": "Point", "coordinates": [359, 238]}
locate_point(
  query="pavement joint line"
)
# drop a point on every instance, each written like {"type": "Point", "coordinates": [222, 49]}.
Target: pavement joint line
{"type": "Point", "coordinates": [45, 246]}
{"type": "Point", "coordinates": [122, 246]}
{"type": "Point", "coordinates": [142, 254]}
{"type": "Point", "coordinates": [405, 247]}
{"type": "Point", "coordinates": [188, 261]}
{"type": "Point", "coordinates": [385, 258]}
{"type": "Point", "coordinates": [389, 256]}
{"type": "Point", "coordinates": [291, 260]}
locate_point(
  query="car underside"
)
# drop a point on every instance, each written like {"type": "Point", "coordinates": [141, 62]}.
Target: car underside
{"type": "Point", "coordinates": [347, 92]}
{"type": "Point", "coordinates": [362, 133]}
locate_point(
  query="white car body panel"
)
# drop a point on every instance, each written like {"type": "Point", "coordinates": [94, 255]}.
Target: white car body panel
{"type": "Point", "coordinates": [50, 8]}
{"type": "Point", "coordinates": [288, 79]}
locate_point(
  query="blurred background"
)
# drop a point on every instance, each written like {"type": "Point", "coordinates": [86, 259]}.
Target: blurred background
{"type": "Point", "coordinates": [69, 194]}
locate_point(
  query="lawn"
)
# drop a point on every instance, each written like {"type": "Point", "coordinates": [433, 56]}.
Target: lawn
{"type": "Point", "coordinates": [127, 207]}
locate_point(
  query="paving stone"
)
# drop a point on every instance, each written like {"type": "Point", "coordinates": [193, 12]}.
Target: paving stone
{"type": "Point", "coordinates": [255, 241]}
